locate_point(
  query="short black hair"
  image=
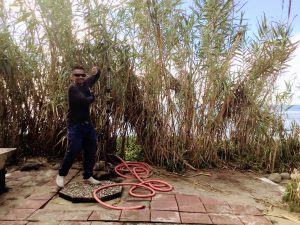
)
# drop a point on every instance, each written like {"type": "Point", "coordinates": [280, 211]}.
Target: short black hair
{"type": "Point", "coordinates": [77, 67]}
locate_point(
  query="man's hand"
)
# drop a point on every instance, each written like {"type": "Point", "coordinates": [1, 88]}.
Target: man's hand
{"type": "Point", "coordinates": [92, 91]}
{"type": "Point", "coordinates": [94, 70]}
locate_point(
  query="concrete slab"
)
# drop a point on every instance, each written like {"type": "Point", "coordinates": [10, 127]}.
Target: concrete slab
{"type": "Point", "coordinates": [168, 205]}
{"type": "Point", "coordinates": [4, 154]}
{"type": "Point", "coordinates": [188, 203]}
{"type": "Point", "coordinates": [16, 214]}
{"type": "Point", "coordinates": [225, 219]}
{"type": "Point", "coordinates": [14, 222]}
{"type": "Point", "coordinates": [142, 215]}
{"type": "Point", "coordinates": [54, 215]}
{"type": "Point", "coordinates": [201, 218]}
{"type": "Point", "coordinates": [105, 215]}
{"type": "Point", "coordinates": [165, 216]}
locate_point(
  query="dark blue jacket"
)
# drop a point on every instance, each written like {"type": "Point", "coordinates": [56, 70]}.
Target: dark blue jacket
{"type": "Point", "coordinates": [79, 100]}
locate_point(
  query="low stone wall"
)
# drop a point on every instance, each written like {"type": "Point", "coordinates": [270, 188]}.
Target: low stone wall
{"type": "Point", "coordinates": [5, 153]}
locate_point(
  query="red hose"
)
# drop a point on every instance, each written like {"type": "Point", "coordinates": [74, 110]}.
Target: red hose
{"type": "Point", "coordinates": [137, 170]}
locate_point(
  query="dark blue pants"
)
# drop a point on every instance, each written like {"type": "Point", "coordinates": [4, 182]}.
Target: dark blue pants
{"type": "Point", "coordinates": [80, 136]}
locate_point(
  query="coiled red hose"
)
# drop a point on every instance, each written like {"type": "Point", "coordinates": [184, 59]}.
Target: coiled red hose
{"type": "Point", "coordinates": [136, 170]}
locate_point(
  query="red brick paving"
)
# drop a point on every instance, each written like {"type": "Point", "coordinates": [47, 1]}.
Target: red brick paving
{"type": "Point", "coordinates": [225, 219]}
{"type": "Point", "coordinates": [109, 215]}
{"type": "Point", "coordinates": [146, 204]}
{"type": "Point", "coordinates": [167, 204]}
{"type": "Point", "coordinates": [14, 222]}
{"type": "Point", "coordinates": [162, 208]}
{"type": "Point", "coordinates": [188, 203]}
{"type": "Point", "coordinates": [73, 223]}
{"type": "Point", "coordinates": [53, 215]}
{"type": "Point", "coordinates": [17, 214]}
{"type": "Point", "coordinates": [165, 216]}
{"type": "Point", "coordinates": [201, 218]}
{"type": "Point", "coordinates": [159, 196]}
{"type": "Point", "coordinates": [32, 204]}
{"type": "Point", "coordinates": [46, 196]}
{"type": "Point", "coordinates": [109, 223]}
{"type": "Point", "coordinates": [209, 201]}
{"type": "Point", "coordinates": [220, 209]}
{"type": "Point", "coordinates": [13, 183]}
{"type": "Point", "coordinates": [142, 215]}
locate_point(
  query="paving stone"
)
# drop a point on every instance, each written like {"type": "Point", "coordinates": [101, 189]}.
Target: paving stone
{"type": "Point", "coordinates": [221, 209]}
{"type": "Point", "coordinates": [17, 214]}
{"type": "Point", "coordinates": [108, 223]}
{"type": "Point", "coordinates": [51, 187]}
{"type": "Point", "coordinates": [255, 220]}
{"type": "Point", "coordinates": [76, 214]}
{"type": "Point", "coordinates": [165, 216]}
{"type": "Point", "coordinates": [245, 210]}
{"type": "Point", "coordinates": [201, 218]}
{"type": "Point", "coordinates": [32, 204]}
{"type": "Point", "coordinates": [211, 201]}
{"type": "Point", "coordinates": [146, 204]}
{"type": "Point", "coordinates": [48, 214]}
{"type": "Point", "coordinates": [188, 203]}
{"type": "Point", "coordinates": [168, 205]}
{"type": "Point", "coordinates": [225, 219]}
{"type": "Point", "coordinates": [105, 215]}
{"type": "Point", "coordinates": [44, 223]}
{"type": "Point", "coordinates": [184, 196]}
{"type": "Point", "coordinates": [45, 196]}
{"type": "Point", "coordinates": [139, 215]}
{"type": "Point", "coordinates": [74, 223]}
{"type": "Point", "coordinates": [18, 174]}
{"type": "Point", "coordinates": [13, 222]}
{"type": "Point", "coordinates": [13, 183]}
{"type": "Point", "coordinates": [163, 197]}
{"type": "Point", "coordinates": [133, 199]}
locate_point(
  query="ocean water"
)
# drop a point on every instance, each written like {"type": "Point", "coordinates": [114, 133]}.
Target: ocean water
{"type": "Point", "coordinates": [291, 115]}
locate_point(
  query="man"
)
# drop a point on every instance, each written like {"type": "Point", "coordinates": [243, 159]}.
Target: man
{"type": "Point", "coordinates": [81, 134]}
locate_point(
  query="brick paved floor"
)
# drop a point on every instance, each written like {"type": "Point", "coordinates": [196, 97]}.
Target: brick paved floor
{"type": "Point", "coordinates": [41, 205]}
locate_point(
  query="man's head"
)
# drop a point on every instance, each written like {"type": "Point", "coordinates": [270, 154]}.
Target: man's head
{"type": "Point", "coordinates": [78, 74]}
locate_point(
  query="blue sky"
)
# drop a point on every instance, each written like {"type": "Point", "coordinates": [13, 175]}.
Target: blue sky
{"type": "Point", "coordinates": [274, 10]}
{"type": "Point", "coordinates": [277, 10]}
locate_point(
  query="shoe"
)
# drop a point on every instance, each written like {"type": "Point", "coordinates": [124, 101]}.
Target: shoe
{"type": "Point", "coordinates": [60, 181]}
{"type": "Point", "coordinates": [92, 180]}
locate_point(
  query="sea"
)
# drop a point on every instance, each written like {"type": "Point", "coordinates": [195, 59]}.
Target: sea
{"type": "Point", "coordinates": [291, 116]}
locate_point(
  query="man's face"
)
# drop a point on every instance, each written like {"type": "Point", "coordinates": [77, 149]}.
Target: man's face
{"type": "Point", "coordinates": [78, 76]}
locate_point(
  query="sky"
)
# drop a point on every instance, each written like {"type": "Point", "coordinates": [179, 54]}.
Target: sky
{"type": "Point", "coordinates": [278, 10]}
{"type": "Point", "coordinates": [273, 9]}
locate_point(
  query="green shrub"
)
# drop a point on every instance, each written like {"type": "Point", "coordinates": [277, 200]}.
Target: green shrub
{"type": "Point", "coordinates": [292, 191]}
